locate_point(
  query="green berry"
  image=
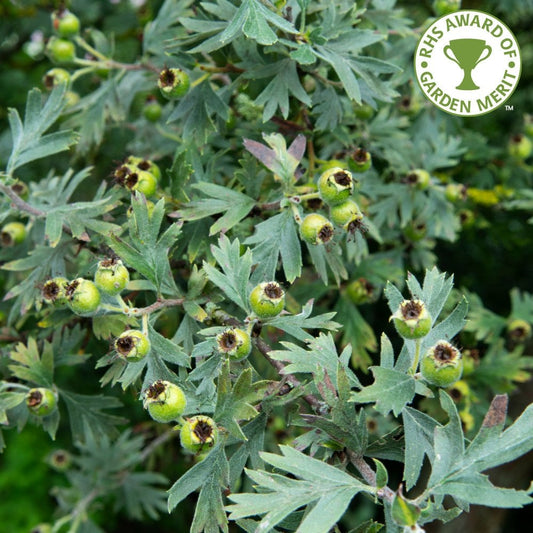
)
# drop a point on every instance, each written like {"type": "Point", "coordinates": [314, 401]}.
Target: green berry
{"type": "Point", "coordinates": [442, 365]}
{"type": "Point", "coordinates": [519, 330]}
{"type": "Point", "coordinates": [60, 460]}
{"type": "Point", "coordinates": [412, 320]}
{"type": "Point", "coordinates": [54, 291]}
{"type": "Point", "coordinates": [470, 362]}
{"type": "Point", "coordinates": [455, 192]}
{"type": "Point", "coordinates": [21, 190]}
{"type": "Point", "coordinates": [132, 345]}
{"type": "Point", "coordinates": [419, 178]}
{"type": "Point", "coordinates": [445, 7]}
{"type": "Point", "coordinates": [83, 296]}
{"type": "Point", "coordinates": [347, 215]}
{"type": "Point", "coordinates": [415, 231]}
{"type": "Point", "coordinates": [65, 23]}
{"type": "Point", "coordinates": [151, 167]}
{"type": "Point", "coordinates": [467, 218]}
{"type": "Point", "coordinates": [165, 401]}
{"type": "Point", "coordinates": [71, 98]}
{"type": "Point", "coordinates": [234, 343]}
{"type": "Point", "coordinates": [360, 291]}
{"type": "Point", "coordinates": [409, 105]}
{"type": "Point", "coordinates": [267, 299]}
{"type": "Point", "coordinates": [199, 433]}
{"type": "Point", "coordinates": [335, 185]}
{"type": "Point", "coordinates": [41, 401]}
{"type": "Point", "coordinates": [360, 161]}
{"type": "Point", "coordinates": [56, 76]}
{"type": "Point", "coordinates": [520, 147]}
{"type": "Point", "coordinates": [135, 179]}
{"type": "Point", "coordinates": [111, 276]}
{"type": "Point", "coordinates": [13, 233]}
{"type": "Point", "coordinates": [316, 229]}
{"type": "Point", "coordinates": [363, 111]}
{"type": "Point", "coordinates": [152, 110]}
{"type": "Point", "coordinates": [61, 50]}
{"type": "Point", "coordinates": [173, 83]}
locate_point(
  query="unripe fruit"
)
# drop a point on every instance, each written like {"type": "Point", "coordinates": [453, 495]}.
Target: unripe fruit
{"type": "Point", "coordinates": [71, 98]}
{"type": "Point", "coordinates": [520, 147]}
{"type": "Point", "coordinates": [135, 179]}
{"type": "Point", "coordinates": [519, 330]}
{"type": "Point", "coordinates": [111, 276]}
{"type": "Point", "coordinates": [132, 345]}
{"type": "Point", "coordinates": [41, 401]}
{"type": "Point", "coordinates": [412, 319]}
{"type": "Point", "coordinates": [173, 83]}
{"type": "Point", "coordinates": [347, 215]}
{"type": "Point", "coordinates": [13, 233]}
{"type": "Point", "coordinates": [165, 401]}
{"type": "Point", "coordinates": [360, 161]}
{"type": "Point", "coordinates": [60, 50]}
{"type": "Point", "coordinates": [199, 433]}
{"type": "Point", "coordinates": [56, 76]}
{"type": "Point", "coordinates": [152, 109]}
{"type": "Point", "coordinates": [419, 178]}
{"type": "Point", "coordinates": [466, 218]}
{"type": "Point", "coordinates": [83, 296]}
{"type": "Point", "coordinates": [54, 291]}
{"type": "Point", "coordinates": [21, 190]}
{"type": "Point", "coordinates": [459, 391]}
{"type": "Point", "coordinates": [234, 343]}
{"type": "Point", "coordinates": [415, 231]}
{"type": "Point", "coordinates": [149, 166]}
{"type": "Point", "coordinates": [409, 105]}
{"type": "Point", "coordinates": [60, 460]}
{"type": "Point", "coordinates": [316, 229]}
{"type": "Point", "coordinates": [65, 23]}
{"type": "Point", "coordinates": [267, 299]}
{"type": "Point", "coordinates": [442, 365]}
{"type": "Point", "coordinates": [445, 7]}
{"type": "Point", "coordinates": [360, 291]}
{"type": "Point", "coordinates": [335, 185]}
{"type": "Point", "coordinates": [363, 111]}
{"type": "Point", "coordinates": [455, 192]}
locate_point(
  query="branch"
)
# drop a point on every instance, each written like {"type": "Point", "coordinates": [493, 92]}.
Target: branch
{"type": "Point", "coordinates": [159, 304]}
{"type": "Point", "coordinates": [369, 475]}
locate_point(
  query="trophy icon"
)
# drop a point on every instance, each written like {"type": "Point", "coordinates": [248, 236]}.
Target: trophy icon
{"type": "Point", "coordinates": [468, 54]}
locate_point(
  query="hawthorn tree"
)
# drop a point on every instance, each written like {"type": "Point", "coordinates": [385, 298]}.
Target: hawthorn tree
{"type": "Point", "coordinates": [225, 234]}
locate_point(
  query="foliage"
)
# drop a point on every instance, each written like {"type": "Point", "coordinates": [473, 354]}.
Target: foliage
{"type": "Point", "coordinates": [314, 428]}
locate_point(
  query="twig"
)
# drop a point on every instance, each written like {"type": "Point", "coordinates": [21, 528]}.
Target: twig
{"type": "Point", "coordinates": [369, 475]}
{"type": "Point", "coordinates": [164, 437]}
{"type": "Point", "coordinates": [159, 304]}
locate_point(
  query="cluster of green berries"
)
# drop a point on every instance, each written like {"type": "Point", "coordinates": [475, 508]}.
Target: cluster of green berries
{"type": "Point", "coordinates": [173, 83]}
{"type": "Point", "coordinates": [335, 187]}
{"type": "Point", "coordinates": [138, 174]}
{"type": "Point", "coordinates": [66, 25]}
{"type": "Point", "coordinates": [166, 402]}
{"type": "Point", "coordinates": [442, 364]}
{"type": "Point", "coordinates": [83, 296]}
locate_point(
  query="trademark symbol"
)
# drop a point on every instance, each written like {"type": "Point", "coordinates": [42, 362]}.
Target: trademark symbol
{"type": "Point", "coordinates": [509, 107]}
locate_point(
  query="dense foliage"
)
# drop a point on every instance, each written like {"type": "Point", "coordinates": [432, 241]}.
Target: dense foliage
{"type": "Point", "coordinates": [230, 231]}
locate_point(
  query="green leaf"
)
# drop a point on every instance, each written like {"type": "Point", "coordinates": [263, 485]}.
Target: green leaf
{"type": "Point", "coordinates": [458, 472]}
{"type": "Point", "coordinates": [86, 417]}
{"type": "Point", "coordinates": [296, 325]}
{"type": "Point", "coordinates": [275, 237]}
{"type": "Point", "coordinates": [234, 403]}
{"type": "Point", "coordinates": [219, 199]}
{"type": "Point", "coordinates": [31, 366]}
{"type": "Point", "coordinates": [29, 139]}
{"type": "Point", "coordinates": [141, 495]}
{"type": "Point", "coordinates": [391, 390]}
{"type": "Point", "coordinates": [321, 353]}
{"type": "Point", "coordinates": [236, 271]}
{"type": "Point", "coordinates": [326, 488]}
{"type": "Point", "coordinates": [9, 400]}
{"type": "Point", "coordinates": [276, 93]}
{"type": "Point", "coordinates": [214, 465]}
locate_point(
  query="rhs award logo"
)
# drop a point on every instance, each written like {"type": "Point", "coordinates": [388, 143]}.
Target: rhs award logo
{"type": "Point", "coordinates": [468, 63]}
